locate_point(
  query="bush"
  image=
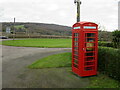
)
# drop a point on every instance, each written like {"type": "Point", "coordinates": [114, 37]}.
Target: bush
{"type": "Point", "coordinates": [109, 62]}
{"type": "Point", "coordinates": [116, 39]}
{"type": "Point", "coordinates": [105, 44]}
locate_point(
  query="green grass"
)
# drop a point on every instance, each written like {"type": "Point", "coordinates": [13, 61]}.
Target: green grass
{"type": "Point", "coordinates": [103, 81]}
{"type": "Point", "coordinates": [19, 26]}
{"type": "Point", "coordinates": [44, 43]}
{"type": "Point", "coordinates": [57, 60]}
{"type": "Point", "coordinates": [0, 42]}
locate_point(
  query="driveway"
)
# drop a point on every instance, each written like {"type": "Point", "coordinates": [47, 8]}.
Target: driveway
{"type": "Point", "coordinates": [15, 73]}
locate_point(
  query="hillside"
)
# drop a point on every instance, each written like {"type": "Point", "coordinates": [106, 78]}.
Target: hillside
{"type": "Point", "coordinates": [39, 28]}
{"type": "Point", "coordinates": [48, 29]}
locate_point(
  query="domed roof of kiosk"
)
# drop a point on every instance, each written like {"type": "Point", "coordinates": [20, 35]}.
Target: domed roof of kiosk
{"type": "Point", "coordinates": [85, 25]}
{"type": "Point", "coordinates": [84, 22]}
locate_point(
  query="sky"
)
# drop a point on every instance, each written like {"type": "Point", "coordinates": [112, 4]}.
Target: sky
{"type": "Point", "coordinates": [62, 12]}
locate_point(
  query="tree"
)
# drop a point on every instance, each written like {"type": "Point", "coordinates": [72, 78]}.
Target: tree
{"type": "Point", "coordinates": [104, 35]}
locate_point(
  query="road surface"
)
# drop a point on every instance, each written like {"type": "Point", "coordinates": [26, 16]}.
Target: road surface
{"type": "Point", "coordinates": [15, 73]}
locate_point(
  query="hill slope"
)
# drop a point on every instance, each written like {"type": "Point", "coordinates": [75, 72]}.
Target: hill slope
{"type": "Point", "coordinates": [39, 28]}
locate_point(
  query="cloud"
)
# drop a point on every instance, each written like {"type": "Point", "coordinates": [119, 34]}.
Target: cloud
{"type": "Point", "coordinates": [60, 11]}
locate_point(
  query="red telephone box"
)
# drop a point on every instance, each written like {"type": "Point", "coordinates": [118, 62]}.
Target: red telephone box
{"type": "Point", "coordinates": [84, 48]}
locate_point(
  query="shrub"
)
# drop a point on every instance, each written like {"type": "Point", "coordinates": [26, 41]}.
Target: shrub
{"type": "Point", "coordinates": [109, 62]}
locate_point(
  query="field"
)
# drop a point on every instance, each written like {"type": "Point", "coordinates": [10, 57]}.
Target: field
{"type": "Point", "coordinates": [44, 43]}
{"type": "Point", "coordinates": [19, 27]}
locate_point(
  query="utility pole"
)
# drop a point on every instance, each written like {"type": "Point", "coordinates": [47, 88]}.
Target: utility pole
{"type": "Point", "coordinates": [14, 29]}
{"type": "Point", "coordinates": [119, 15]}
{"type": "Point", "coordinates": [78, 2]}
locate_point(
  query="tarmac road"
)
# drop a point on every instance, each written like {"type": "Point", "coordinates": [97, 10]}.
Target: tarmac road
{"type": "Point", "coordinates": [15, 73]}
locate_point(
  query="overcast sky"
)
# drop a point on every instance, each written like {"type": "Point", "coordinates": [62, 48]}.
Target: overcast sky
{"type": "Point", "coordinates": [62, 12]}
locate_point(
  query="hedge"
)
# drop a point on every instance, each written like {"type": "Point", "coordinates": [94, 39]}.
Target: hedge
{"type": "Point", "coordinates": [109, 62]}
{"type": "Point", "coordinates": [38, 36]}
{"type": "Point", "coordinates": [105, 44]}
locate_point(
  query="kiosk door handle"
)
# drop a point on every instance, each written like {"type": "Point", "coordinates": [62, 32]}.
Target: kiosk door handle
{"type": "Point", "coordinates": [84, 49]}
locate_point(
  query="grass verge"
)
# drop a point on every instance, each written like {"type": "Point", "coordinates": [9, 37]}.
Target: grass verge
{"type": "Point", "coordinates": [103, 81]}
{"type": "Point", "coordinates": [44, 43]}
{"type": "Point", "coordinates": [57, 60]}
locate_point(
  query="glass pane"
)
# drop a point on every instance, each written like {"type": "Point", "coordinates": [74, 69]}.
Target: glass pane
{"type": "Point", "coordinates": [90, 35]}
{"type": "Point", "coordinates": [90, 54]}
{"type": "Point", "coordinates": [76, 43]}
{"type": "Point", "coordinates": [76, 52]}
{"type": "Point", "coordinates": [76, 61]}
{"type": "Point", "coordinates": [75, 34]}
{"type": "Point", "coordinates": [90, 49]}
{"type": "Point", "coordinates": [76, 57]}
{"type": "Point", "coordinates": [90, 58]}
{"type": "Point", "coordinates": [89, 68]}
{"type": "Point", "coordinates": [90, 39]}
{"type": "Point", "coordinates": [75, 65]}
{"type": "Point", "coordinates": [75, 39]}
{"type": "Point", "coordinates": [89, 44]}
{"type": "Point", "coordinates": [89, 63]}
{"type": "Point", "coordinates": [76, 48]}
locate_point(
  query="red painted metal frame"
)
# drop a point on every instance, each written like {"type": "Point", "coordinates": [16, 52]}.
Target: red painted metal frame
{"type": "Point", "coordinates": [80, 70]}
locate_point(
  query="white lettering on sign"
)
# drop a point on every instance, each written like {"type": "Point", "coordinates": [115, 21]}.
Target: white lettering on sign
{"type": "Point", "coordinates": [89, 27]}
{"type": "Point", "coordinates": [76, 28]}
